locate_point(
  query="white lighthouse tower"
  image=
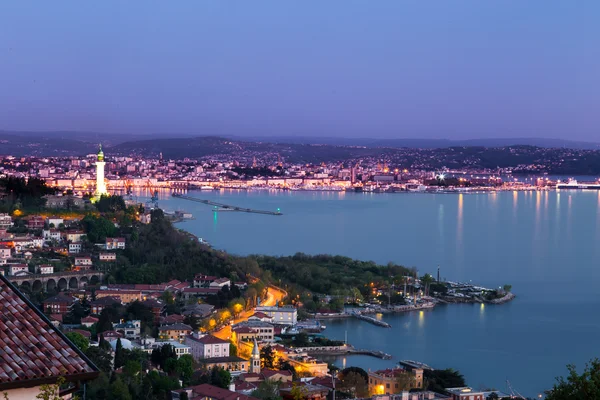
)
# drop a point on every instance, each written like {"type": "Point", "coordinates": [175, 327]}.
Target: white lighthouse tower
{"type": "Point", "coordinates": [100, 185]}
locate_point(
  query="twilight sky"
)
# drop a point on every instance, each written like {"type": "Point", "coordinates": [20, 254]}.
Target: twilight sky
{"type": "Point", "coordinates": [384, 68]}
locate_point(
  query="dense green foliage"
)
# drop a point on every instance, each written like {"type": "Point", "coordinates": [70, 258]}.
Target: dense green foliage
{"type": "Point", "coordinates": [439, 379]}
{"type": "Point", "coordinates": [328, 274]}
{"type": "Point", "coordinates": [78, 340]}
{"type": "Point", "coordinates": [98, 228]}
{"type": "Point", "coordinates": [23, 194]}
{"type": "Point", "coordinates": [578, 386]}
{"type": "Point", "coordinates": [109, 203]}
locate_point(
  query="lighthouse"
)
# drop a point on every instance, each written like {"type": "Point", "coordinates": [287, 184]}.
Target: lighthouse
{"type": "Point", "coordinates": [100, 185]}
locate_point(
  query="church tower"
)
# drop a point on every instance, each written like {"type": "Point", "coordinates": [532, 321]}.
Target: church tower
{"type": "Point", "coordinates": [100, 185]}
{"type": "Point", "coordinates": [255, 359]}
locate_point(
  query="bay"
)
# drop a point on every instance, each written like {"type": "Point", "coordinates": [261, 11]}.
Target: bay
{"type": "Point", "coordinates": [542, 243]}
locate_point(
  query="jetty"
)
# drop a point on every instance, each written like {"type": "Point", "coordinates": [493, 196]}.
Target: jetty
{"type": "Point", "coordinates": [226, 207]}
{"type": "Point", "coordinates": [372, 320]}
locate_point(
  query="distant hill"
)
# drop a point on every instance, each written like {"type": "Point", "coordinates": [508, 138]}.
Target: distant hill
{"type": "Point", "coordinates": [428, 143]}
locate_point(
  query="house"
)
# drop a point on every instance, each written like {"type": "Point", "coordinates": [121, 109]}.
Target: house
{"type": "Point", "coordinates": [75, 247]}
{"type": "Point", "coordinates": [15, 269]}
{"type": "Point", "coordinates": [281, 315]}
{"type": "Point", "coordinates": [115, 244]}
{"type": "Point", "coordinates": [51, 234]}
{"type": "Point", "coordinates": [129, 329]}
{"type": "Point", "coordinates": [149, 344]}
{"type": "Point", "coordinates": [107, 257]}
{"type": "Point", "coordinates": [82, 261]}
{"type": "Point", "coordinates": [109, 336]}
{"type": "Point", "coordinates": [59, 304]}
{"type": "Point", "coordinates": [309, 392]}
{"type": "Point", "coordinates": [45, 269]}
{"type": "Point", "coordinates": [88, 321]}
{"type": "Point", "coordinates": [145, 218]}
{"type": "Point", "coordinates": [26, 370]}
{"type": "Point", "coordinates": [202, 310]}
{"type": "Point", "coordinates": [209, 392]}
{"type": "Point", "coordinates": [54, 222]}
{"type": "Point", "coordinates": [74, 236]}
{"type": "Point", "coordinates": [207, 346]}
{"type": "Point", "coordinates": [386, 381]}
{"type": "Point", "coordinates": [5, 221]}
{"type": "Point", "coordinates": [174, 331]}
{"type": "Point", "coordinates": [220, 283]}
{"type": "Point", "coordinates": [254, 329]}
{"type": "Point", "coordinates": [465, 393]}
{"type": "Point", "coordinates": [100, 304]}
{"type": "Point", "coordinates": [172, 319]}
{"type": "Point", "coordinates": [53, 201]}
{"type": "Point", "coordinates": [5, 251]}
{"type": "Point", "coordinates": [233, 364]}
{"type": "Point", "coordinates": [260, 316]}
{"type": "Point", "coordinates": [201, 292]}
{"type": "Point", "coordinates": [126, 296]}
{"type": "Point", "coordinates": [201, 280]}
{"type": "Point", "coordinates": [35, 222]}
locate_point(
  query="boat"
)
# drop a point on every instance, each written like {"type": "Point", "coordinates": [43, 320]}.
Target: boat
{"type": "Point", "coordinates": [207, 187]}
{"type": "Point", "coordinates": [573, 184]}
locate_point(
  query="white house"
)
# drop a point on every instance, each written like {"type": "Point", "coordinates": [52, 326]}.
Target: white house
{"type": "Point", "coordinates": [75, 248]}
{"type": "Point", "coordinates": [5, 251]}
{"type": "Point", "coordinates": [107, 256]}
{"type": "Point", "coordinates": [45, 269]}
{"type": "Point", "coordinates": [51, 234]}
{"type": "Point", "coordinates": [56, 221]}
{"type": "Point", "coordinates": [130, 329]}
{"type": "Point", "coordinates": [14, 269]}
{"type": "Point", "coordinates": [206, 346]}
{"type": "Point", "coordinates": [281, 315]}
{"type": "Point", "coordinates": [115, 243]}
{"type": "Point", "coordinates": [220, 282]}
{"type": "Point", "coordinates": [5, 221]}
{"type": "Point", "coordinates": [83, 261]}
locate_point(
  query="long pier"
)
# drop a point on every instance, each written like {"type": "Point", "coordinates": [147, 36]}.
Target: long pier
{"type": "Point", "coordinates": [226, 207]}
{"type": "Point", "coordinates": [372, 320]}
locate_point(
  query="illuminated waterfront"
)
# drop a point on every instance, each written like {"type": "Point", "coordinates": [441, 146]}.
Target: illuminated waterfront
{"type": "Point", "coordinates": [543, 243]}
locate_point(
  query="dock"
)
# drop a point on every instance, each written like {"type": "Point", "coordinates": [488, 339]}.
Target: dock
{"type": "Point", "coordinates": [372, 320]}
{"type": "Point", "coordinates": [226, 207]}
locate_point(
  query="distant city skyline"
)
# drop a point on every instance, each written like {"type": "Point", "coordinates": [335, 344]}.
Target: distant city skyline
{"type": "Point", "coordinates": [353, 69]}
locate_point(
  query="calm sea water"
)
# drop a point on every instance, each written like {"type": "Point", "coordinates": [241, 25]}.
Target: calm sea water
{"type": "Point", "coordinates": [544, 244]}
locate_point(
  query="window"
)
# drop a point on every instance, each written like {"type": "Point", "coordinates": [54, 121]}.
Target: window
{"type": "Point", "coordinates": [387, 385]}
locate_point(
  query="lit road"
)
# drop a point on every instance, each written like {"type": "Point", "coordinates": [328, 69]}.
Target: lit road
{"type": "Point", "coordinates": [273, 295]}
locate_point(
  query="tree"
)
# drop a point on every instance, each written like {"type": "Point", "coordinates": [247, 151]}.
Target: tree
{"type": "Point", "coordinates": [267, 357]}
{"type": "Point", "coordinates": [576, 386]}
{"type": "Point", "coordinates": [49, 391]}
{"type": "Point", "coordinates": [507, 288]}
{"type": "Point", "coordinates": [160, 356]}
{"type": "Point", "coordinates": [78, 340]}
{"type": "Point", "coordinates": [427, 280]}
{"type": "Point", "coordinates": [220, 377]}
{"type": "Point", "coordinates": [100, 357]}
{"type": "Point", "coordinates": [119, 354]}
{"type": "Point", "coordinates": [119, 389]}
{"type": "Point", "coordinates": [354, 384]}
{"type": "Point", "coordinates": [405, 380]}
{"type": "Point", "coordinates": [439, 379]}
{"type": "Point", "coordinates": [267, 390]}
{"type": "Point", "coordinates": [298, 392]}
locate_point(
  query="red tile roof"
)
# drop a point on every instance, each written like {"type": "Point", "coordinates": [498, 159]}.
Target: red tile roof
{"type": "Point", "coordinates": [208, 339]}
{"type": "Point", "coordinates": [32, 351]}
{"type": "Point", "coordinates": [213, 392]}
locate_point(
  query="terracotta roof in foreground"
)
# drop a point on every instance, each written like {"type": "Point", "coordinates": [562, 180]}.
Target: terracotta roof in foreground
{"type": "Point", "coordinates": [32, 350]}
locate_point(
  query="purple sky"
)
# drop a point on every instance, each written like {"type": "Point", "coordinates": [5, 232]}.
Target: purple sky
{"type": "Point", "coordinates": [385, 68]}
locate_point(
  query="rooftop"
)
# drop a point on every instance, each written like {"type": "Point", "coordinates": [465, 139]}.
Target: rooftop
{"type": "Point", "coordinates": [34, 352]}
